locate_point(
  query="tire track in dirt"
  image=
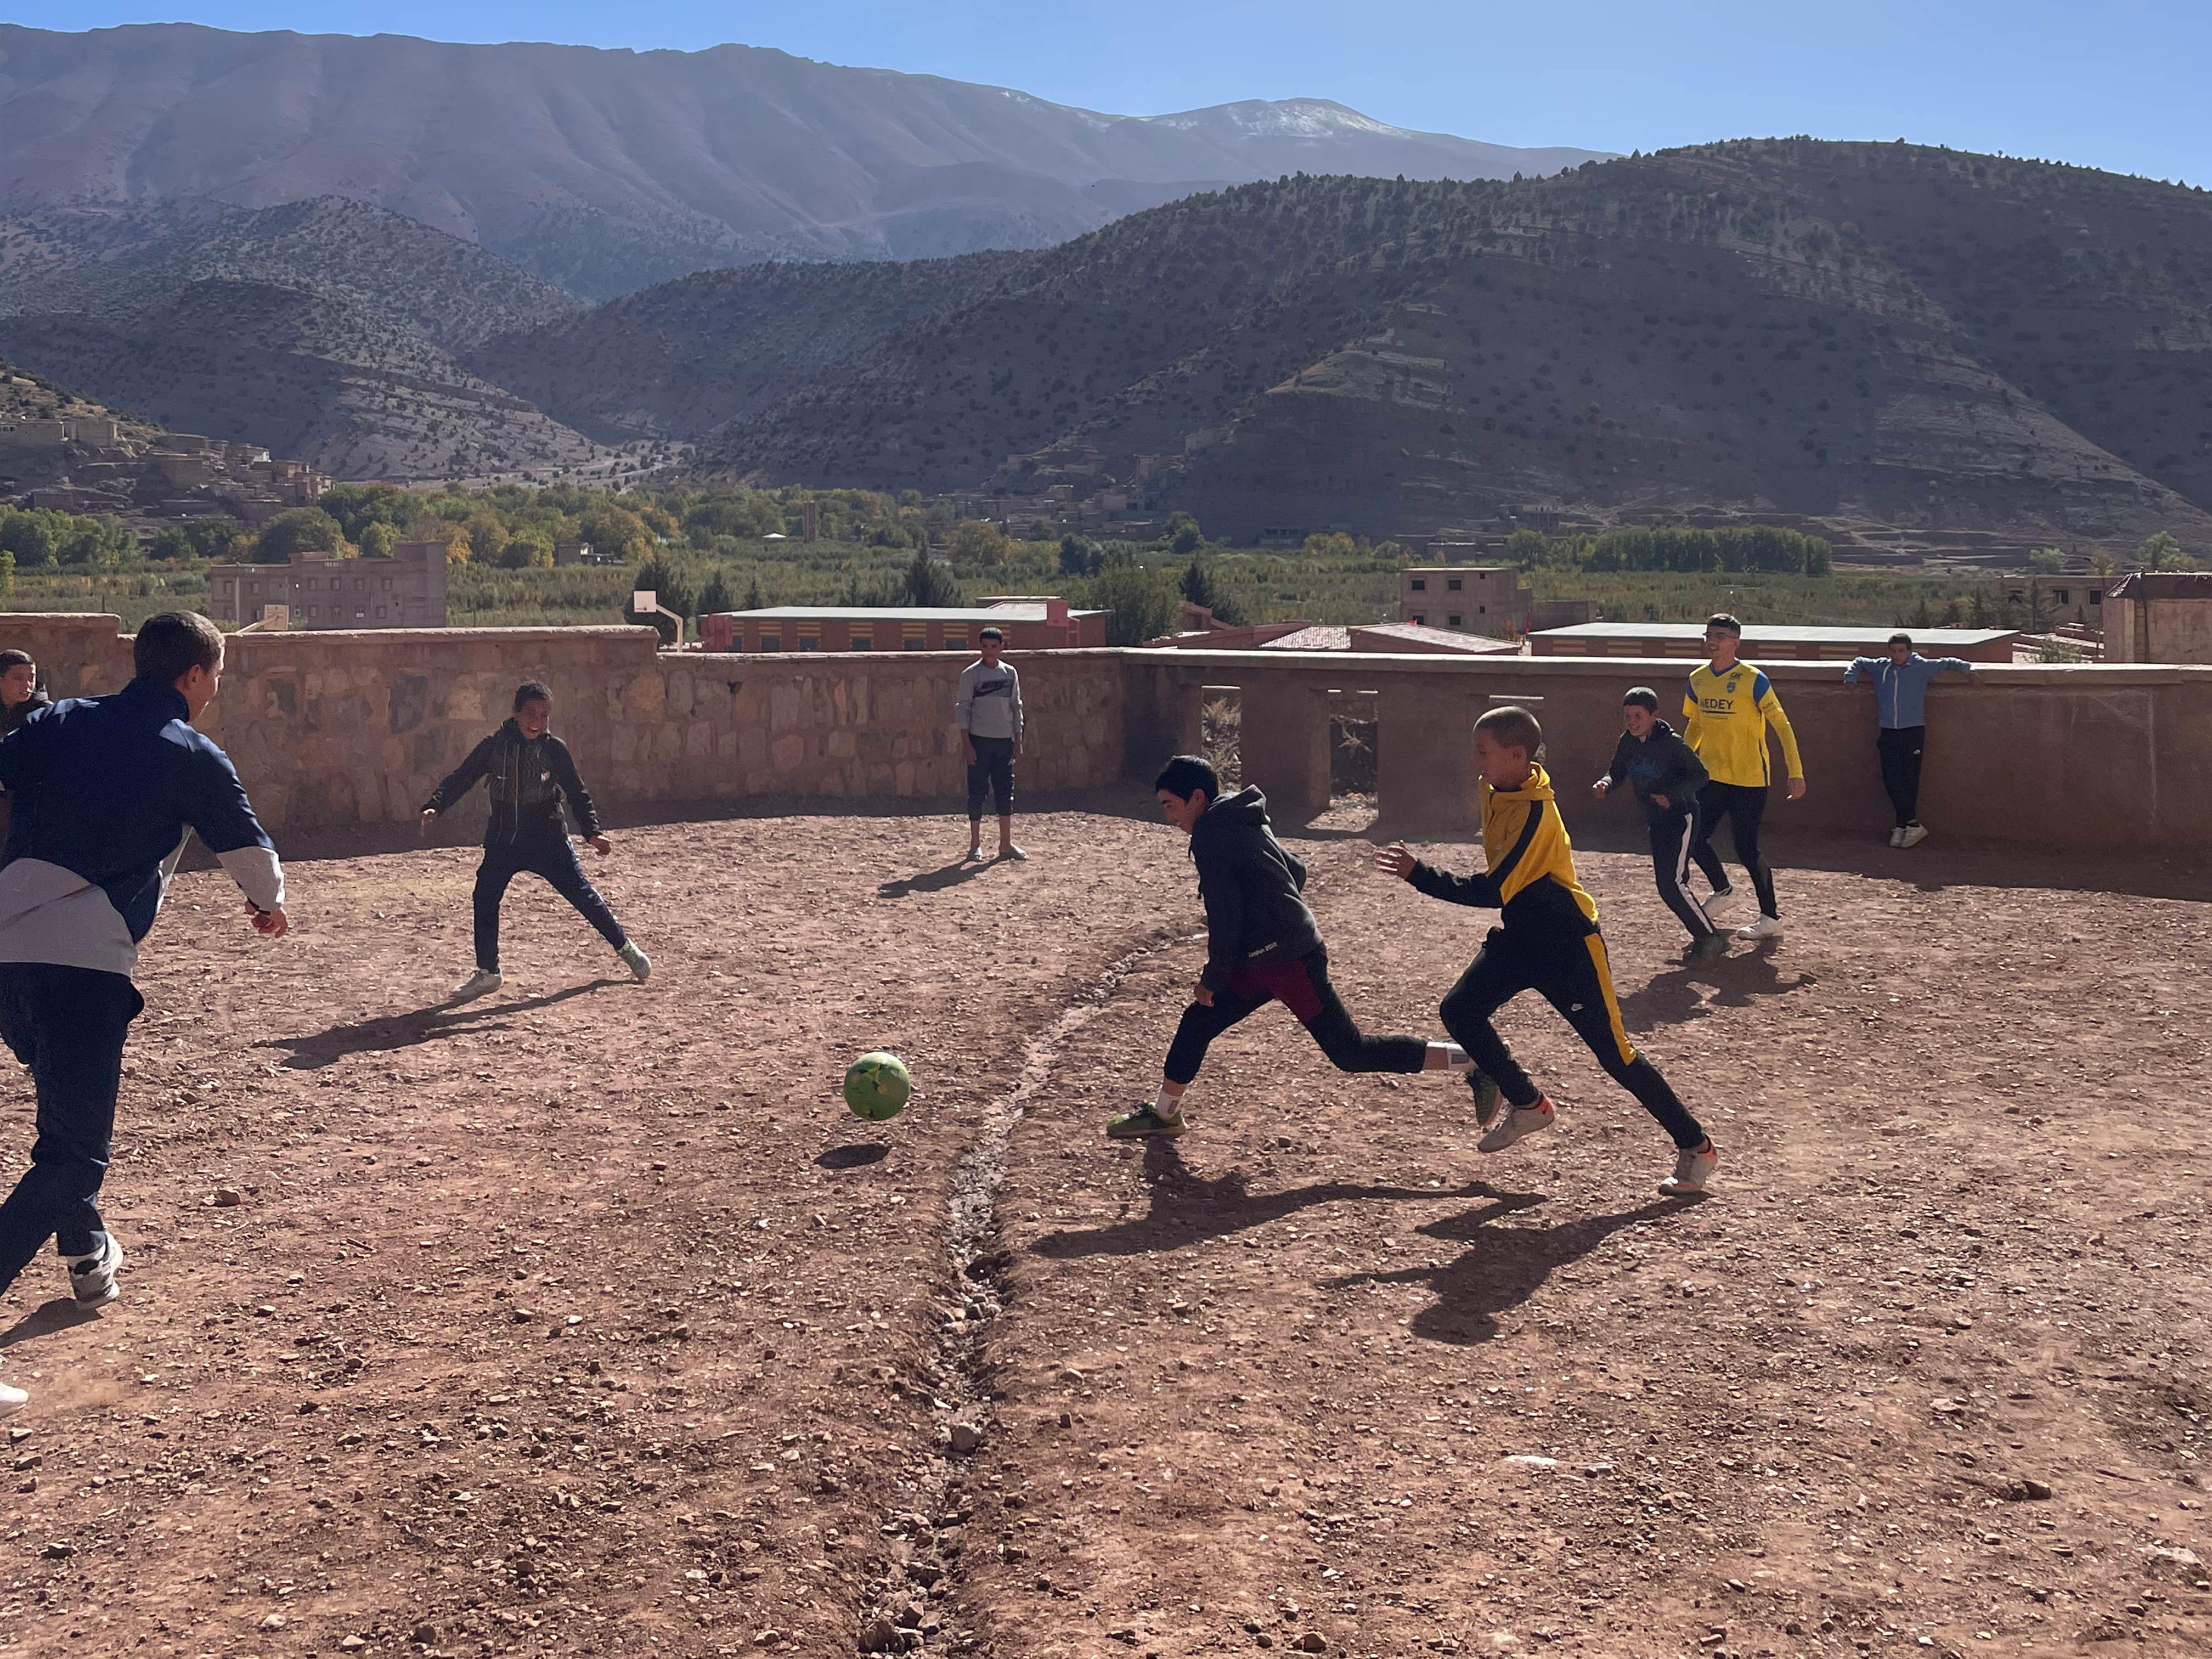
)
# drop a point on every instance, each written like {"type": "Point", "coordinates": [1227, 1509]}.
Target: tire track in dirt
{"type": "Point", "coordinates": [961, 1370]}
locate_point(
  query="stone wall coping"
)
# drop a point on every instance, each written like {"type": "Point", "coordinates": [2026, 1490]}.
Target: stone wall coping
{"type": "Point", "coordinates": [1367, 664]}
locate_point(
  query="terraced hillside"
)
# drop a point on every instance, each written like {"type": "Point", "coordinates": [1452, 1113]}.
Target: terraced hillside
{"type": "Point", "coordinates": [1918, 336]}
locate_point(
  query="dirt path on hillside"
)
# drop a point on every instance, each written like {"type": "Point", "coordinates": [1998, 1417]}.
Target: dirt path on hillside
{"type": "Point", "coordinates": [584, 1320]}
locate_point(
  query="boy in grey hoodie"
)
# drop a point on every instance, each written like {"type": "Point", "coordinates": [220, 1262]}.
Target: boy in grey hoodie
{"type": "Point", "coordinates": [988, 709]}
{"type": "Point", "coordinates": [1262, 946]}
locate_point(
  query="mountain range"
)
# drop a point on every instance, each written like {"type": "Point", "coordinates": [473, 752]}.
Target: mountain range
{"type": "Point", "coordinates": [607, 171]}
{"type": "Point", "coordinates": [1878, 333]}
{"type": "Point", "coordinates": [1882, 334]}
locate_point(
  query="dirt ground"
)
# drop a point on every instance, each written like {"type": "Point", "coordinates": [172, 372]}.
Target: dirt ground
{"type": "Point", "coordinates": [586, 1321]}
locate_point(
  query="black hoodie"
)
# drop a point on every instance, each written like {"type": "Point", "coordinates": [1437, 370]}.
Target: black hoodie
{"type": "Point", "coordinates": [1250, 884]}
{"type": "Point", "coordinates": [528, 779]}
{"type": "Point", "coordinates": [1660, 764]}
{"type": "Point", "coordinates": [10, 719]}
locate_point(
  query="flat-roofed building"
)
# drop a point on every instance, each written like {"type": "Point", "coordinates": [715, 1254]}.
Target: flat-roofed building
{"type": "Point", "coordinates": [2160, 616]}
{"type": "Point", "coordinates": [1042, 624]}
{"type": "Point", "coordinates": [1762, 642]}
{"type": "Point", "coordinates": [407, 590]}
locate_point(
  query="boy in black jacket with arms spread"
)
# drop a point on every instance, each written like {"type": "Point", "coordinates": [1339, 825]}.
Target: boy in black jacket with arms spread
{"type": "Point", "coordinates": [530, 771]}
{"type": "Point", "coordinates": [1262, 946]}
{"type": "Point", "coordinates": [1666, 775]}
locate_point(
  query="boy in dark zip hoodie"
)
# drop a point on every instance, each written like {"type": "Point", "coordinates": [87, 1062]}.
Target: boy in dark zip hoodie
{"type": "Point", "coordinates": [1262, 946]}
{"type": "Point", "coordinates": [1549, 943]}
{"type": "Point", "coordinates": [530, 771]}
{"type": "Point", "coordinates": [1666, 775]}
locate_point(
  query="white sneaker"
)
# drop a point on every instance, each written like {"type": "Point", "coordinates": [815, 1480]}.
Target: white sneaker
{"type": "Point", "coordinates": [12, 1399]}
{"type": "Point", "coordinates": [636, 961]}
{"type": "Point", "coordinates": [1720, 899]}
{"type": "Point", "coordinates": [1518, 1125]}
{"type": "Point", "coordinates": [1692, 1170]}
{"type": "Point", "coordinates": [92, 1277]}
{"type": "Point", "coordinates": [1765, 927]}
{"type": "Point", "coordinates": [480, 983]}
{"type": "Point", "coordinates": [1897, 836]}
{"type": "Point", "coordinates": [1912, 835]}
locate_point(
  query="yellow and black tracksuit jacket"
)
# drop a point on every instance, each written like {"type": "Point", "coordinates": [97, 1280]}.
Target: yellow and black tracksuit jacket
{"type": "Point", "coordinates": [1725, 717]}
{"type": "Point", "coordinates": [1549, 942]}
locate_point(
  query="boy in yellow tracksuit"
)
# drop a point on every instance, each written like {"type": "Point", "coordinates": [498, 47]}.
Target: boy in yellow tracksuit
{"type": "Point", "coordinates": [1727, 711]}
{"type": "Point", "coordinates": [1548, 943]}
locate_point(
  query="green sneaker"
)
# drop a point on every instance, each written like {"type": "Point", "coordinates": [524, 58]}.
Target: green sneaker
{"type": "Point", "coordinates": [1486, 1098]}
{"type": "Point", "coordinates": [1146, 1120]}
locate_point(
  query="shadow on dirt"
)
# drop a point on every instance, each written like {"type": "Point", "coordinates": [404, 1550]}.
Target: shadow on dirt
{"type": "Point", "coordinates": [368, 1037]}
{"type": "Point", "coordinates": [1505, 1267]}
{"type": "Point", "coordinates": [62, 1314]}
{"type": "Point", "coordinates": [854, 1157]}
{"type": "Point", "coordinates": [1738, 981]}
{"type": "Point", "coordinates": [934, 881]}
{"type": "Point", "coordinates": [1188, 1208]}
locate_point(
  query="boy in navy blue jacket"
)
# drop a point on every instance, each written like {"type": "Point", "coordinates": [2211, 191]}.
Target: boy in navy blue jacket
{"type": "Point", "coordinates": [106, 790]}
{"type": "Point", "coordinates": [1667, 775]}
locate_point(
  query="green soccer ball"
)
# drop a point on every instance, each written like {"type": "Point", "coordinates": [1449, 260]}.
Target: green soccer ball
{"type": "Point", "coordinates": [877, 1086]}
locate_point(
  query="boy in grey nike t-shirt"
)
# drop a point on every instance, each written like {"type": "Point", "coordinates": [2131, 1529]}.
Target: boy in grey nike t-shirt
{"type": "Point", "coordinates": [988, 711]}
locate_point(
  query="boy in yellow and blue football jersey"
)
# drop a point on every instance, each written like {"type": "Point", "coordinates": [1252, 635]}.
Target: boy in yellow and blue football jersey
{"type": "Point", "coordinates": [1727, 711]}
{"type": "Point", "coordinates": [1548, 943]}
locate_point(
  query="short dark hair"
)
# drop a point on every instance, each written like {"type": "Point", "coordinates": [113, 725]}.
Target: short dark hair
{"type": "Point", "coordinates": [1640, 696]}
{"type": "Point", "coordinates": [531, 691]}
{"type": "Point", "coordinates": [1186, 774]}
{"type": "Point", "coordinates": [1894, 639]}
{"type": "Point", "coordinates": [1513, 728]}
{"type": "Point", "coordinates": [15, 660]}
{"type": "Point", "coordinates": [992, 634]}
{"type": "Point", "coordinates": [1722, 619]}
{"type": "Point", "coordinates": [172, 644]}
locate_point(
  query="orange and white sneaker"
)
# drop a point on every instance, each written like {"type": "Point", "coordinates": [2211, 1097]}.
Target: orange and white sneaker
{"type": "Point", "coordinates": [12, 1399]}
{"type": "Point", "coordinates": [1693, 1167]}
{"type": "Point", "coordinates": [1518, 1125]}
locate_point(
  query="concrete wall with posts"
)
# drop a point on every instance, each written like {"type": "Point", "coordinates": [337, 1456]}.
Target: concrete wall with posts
{"type": "Point", "coordinates": [335, 730]}
{"type": "Point", "coordinates": [2100, 758]}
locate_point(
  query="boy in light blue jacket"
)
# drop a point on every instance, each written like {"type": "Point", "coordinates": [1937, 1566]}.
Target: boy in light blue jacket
{"type": "Point", "coordinates": [1900, 692]}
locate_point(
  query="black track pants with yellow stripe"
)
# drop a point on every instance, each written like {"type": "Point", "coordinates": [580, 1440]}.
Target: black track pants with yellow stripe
{"type": "Point", "coordinates": [1571, 974]}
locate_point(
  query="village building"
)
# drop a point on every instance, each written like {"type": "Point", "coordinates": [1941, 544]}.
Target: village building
{"type": "Point", "coordinates": [1478, 598]}
{"type": "Point", "coordinates": [2163, 616]}
{"type": "Point", "coordinates": [320, 591]}
{"type": "Point", "coordinates": [1042, 624]}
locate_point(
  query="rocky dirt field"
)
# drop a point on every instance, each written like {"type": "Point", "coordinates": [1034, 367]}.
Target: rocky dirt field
{"type": "Point", "coordinates": [586, 1321]}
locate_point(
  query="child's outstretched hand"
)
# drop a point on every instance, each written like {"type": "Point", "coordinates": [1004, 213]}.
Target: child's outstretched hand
{"type": "Point", "coordinates": [599, 844]}
{"type": "Point", "coordinates": [1396, 859]}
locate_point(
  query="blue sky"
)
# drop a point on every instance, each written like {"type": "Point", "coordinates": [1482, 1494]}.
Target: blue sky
{"type": "Point", "coordinates": [2110, 83]}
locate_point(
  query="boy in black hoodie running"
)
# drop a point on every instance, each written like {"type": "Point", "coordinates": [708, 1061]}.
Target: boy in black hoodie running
{"type": "Point", "coordinates": [1262, 946]}
{"type": "Point", "coordinates": [1666, 775]}
{"type": "Point", "coordinates": [530, 771]}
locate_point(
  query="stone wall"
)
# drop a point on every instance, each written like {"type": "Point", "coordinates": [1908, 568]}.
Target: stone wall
{"type": "Point", "coordinates": [337, 731]}
{"type": "Point", "coordinates": [2094, 757]}
{"type": "Point", "coordinates": [334, 730]}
